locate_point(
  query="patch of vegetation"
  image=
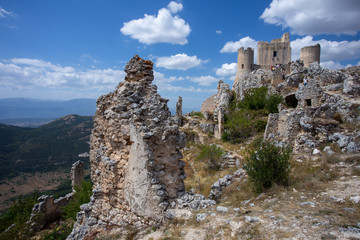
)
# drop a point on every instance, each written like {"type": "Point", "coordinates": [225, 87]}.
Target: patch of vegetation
{"type": "Point", "coordinates": [241, 124]}
{"type": "Point", "coordinates": [268, 164]}
{"type": "Point", "coordinates": [196, 114]}
{"type": "Point", "coordinates": [259, 98]}
{"type": "Point", "coordinates": [60, 232]}
{"type": "Point", "coordinates": [247, 117]}
{"type": "Point", "coordinates": [17, 215]}
{"type": "Point", "coordinates": [81, 196]}
{"type": "Point", "coordinates": [212, 154]}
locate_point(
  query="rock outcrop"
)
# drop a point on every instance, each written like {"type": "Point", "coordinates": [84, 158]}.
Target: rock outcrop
{"type": "Point", "coordinates": [178, 114]}
{"type": "Point", "coordinates": [314, 113]}
{"type": "Point", "coordinates": [134, 155]}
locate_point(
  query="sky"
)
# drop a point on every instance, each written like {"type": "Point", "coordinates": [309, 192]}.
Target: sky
{"type": "Point", "coordinates": [78, 49]}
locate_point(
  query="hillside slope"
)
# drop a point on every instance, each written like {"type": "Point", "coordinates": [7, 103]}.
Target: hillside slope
{"type": "Point", "coordinates": [53, 145]}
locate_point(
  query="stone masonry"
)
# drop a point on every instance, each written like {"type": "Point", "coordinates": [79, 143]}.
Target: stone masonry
{"type": "Point", "coordinates": [134, 155]}
{"type": "Point", "coordinates": [77, 174]}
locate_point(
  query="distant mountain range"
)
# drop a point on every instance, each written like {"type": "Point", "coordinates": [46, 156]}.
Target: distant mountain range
{"type": "Point", "coordinates": [24, 112]}
{"type": "Point", "coordinates": [46, 148]}
{"type": "Point", "coordinates": [35, 112]}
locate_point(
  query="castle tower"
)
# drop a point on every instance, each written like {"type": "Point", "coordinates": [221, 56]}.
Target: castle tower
{"type": "Point", "coordinates": [310, 54]}
{"type": "Point", "coordinates": [245, 62]}
{"type": "Point", "coordinates": [278, 51]}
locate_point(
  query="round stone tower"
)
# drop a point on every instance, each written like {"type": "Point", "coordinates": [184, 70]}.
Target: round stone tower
{"type": "Point", "coordinates": [245, 62]}
{"type": "Point", "coordinates": [310, 54]}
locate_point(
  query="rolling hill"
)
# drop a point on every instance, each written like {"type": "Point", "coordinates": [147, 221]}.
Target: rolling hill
{"type": "Point", "coordinates": [46, 148]}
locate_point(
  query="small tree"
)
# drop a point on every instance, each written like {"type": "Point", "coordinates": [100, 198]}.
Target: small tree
{"type": "Point", "coordinates": [268, 164]}
{"type": "Point", "coordinates": [212, 154]}
{"type": "Point", "coordinates": [272, 101]}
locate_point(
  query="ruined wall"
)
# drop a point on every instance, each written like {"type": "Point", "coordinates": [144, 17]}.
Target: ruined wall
{"type": "Point", "coordinates": [134, 155]}
{"type": "Point", "coordinates": [310, 54]}
{"type": "Point", "coordinates": [278, 51]}
{"type": "Point", "coordinates": [77, 174]}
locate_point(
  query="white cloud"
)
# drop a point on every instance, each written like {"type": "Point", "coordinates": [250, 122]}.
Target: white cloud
{"type": "Point", "coordinates": [218, 31]}
{"type": "Point", "coordinates": [165, 84]}
{"type": "Point", "coordinates": [179, 62]}
{"type": "Point", "coordinates": [227, 70]}
{"type": "Point", "coordinates": [164, 27]}
{"type": "Point", "coordinates": [333, 65]}
{"type": "Point", "coordinates": [160, 78]}
{"type": "Point", "coordinates": [175, 7]}
{"type": "Point", "coordinates": [204, 80]}
{"type": "Point", "coordinates": [25, 73]}
{"type": "Point", "coordinates": [5, 14]}
{"type": "Point", "coordinates": [315, 17]}
{"type": "Point", "coordinates": [330, 50]}
{"type": "Point", "coordinates": [231, 47]}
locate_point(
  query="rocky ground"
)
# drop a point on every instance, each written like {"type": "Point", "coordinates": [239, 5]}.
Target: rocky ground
{"type": "Point", "coordinates": [315, 206]}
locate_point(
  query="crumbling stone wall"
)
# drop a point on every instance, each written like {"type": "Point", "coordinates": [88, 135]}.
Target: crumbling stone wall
{"type": "Point", "coordinates": [134, 155]}
{"type": "Point", "coordinates": [314, 113]}
{"type": "Point", "coordinates": [77, 174]}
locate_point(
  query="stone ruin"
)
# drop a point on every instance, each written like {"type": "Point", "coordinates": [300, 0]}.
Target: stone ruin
{"type": "Point", "coordinates": [312, 115]}
{"type": "Point", "coordinates": [178, 114]}
{"type": "Point", "coordinates": [77, 174]}
{"type": "Point", "coordinates": [135, 157]}
{"type": "Point", "coordinates": [48, 209]}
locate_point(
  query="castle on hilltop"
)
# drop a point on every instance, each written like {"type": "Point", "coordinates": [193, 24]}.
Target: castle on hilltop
{"type": "Point", "coordinates": [278, 51]}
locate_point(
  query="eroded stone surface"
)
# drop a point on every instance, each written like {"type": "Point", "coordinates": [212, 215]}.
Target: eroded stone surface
{"type": "Point", "coordinates": [134, 155]}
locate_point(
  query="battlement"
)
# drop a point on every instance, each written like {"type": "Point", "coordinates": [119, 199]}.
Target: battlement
{"type": "Point", "coordinates": [278, 51]}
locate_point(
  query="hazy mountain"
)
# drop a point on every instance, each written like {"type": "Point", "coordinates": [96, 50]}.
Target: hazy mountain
{"type": "Point", "coordinates": [23, 108]}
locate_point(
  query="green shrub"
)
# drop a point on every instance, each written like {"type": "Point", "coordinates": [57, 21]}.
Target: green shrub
{"type": "Point", "coordinates": [272, 101]}
{"type": "Point", "coordinates": [254, 99]}
{"type": "Point", "coordinates": [18, 213]}
{"type": "Point", "coordinates": [60, 232]}
{"type": "Point", "coordinates": [268, 164]}
{"type": "Point", "coordinates": [242, 124]}
{"type": "Point", "coordinates": [212, 154]}
{"type": "Point", "coordinates": [237, 127]}
{"type": "Point", "coordinates": [81, 196]}
{"type": "Point", "coordinates": [196, 114]}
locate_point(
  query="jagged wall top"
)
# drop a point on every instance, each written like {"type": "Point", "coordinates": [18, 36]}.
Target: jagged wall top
{"type": "Point", "coordinates": [139, 69]}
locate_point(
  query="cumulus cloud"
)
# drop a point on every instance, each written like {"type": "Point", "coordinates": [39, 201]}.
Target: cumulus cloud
{"type": "Point", "coordinates": [167, 84]}
{"type": "Point", "coordinates": [309, 17]}
{"type": "Point", "coordinates": [333, 65]}
{"type": "Point", "coordinates": [175, 7]}
{"type": "Point", "coordinates": [164, 27]}
{"type": "Point", "coordinates": [227, 70]}
{"type": "Point", "coordinates": [179, 62]}
{"type": "Point", "coordinates": [330, 50]}
{"type": "Point", "coordinates": [231, 47]}
{"type": "Point", "coordinates": [25, 73]}
{"type": "Point", "coordinates": [204, 80]}
{"type": "Point", "coordinates": [218, 31]}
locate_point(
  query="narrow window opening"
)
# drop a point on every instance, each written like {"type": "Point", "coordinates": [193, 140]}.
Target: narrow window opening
{"type": "Point", "coordinates": [275, 54]}
{"type": "Point", "coordinates": [242, 66]}
{"type": "Point", "coordinates": [308, 102]}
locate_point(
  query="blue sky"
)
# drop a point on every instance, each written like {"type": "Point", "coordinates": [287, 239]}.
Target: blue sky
{"type": "Point", "coordinates": [78, 49]}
